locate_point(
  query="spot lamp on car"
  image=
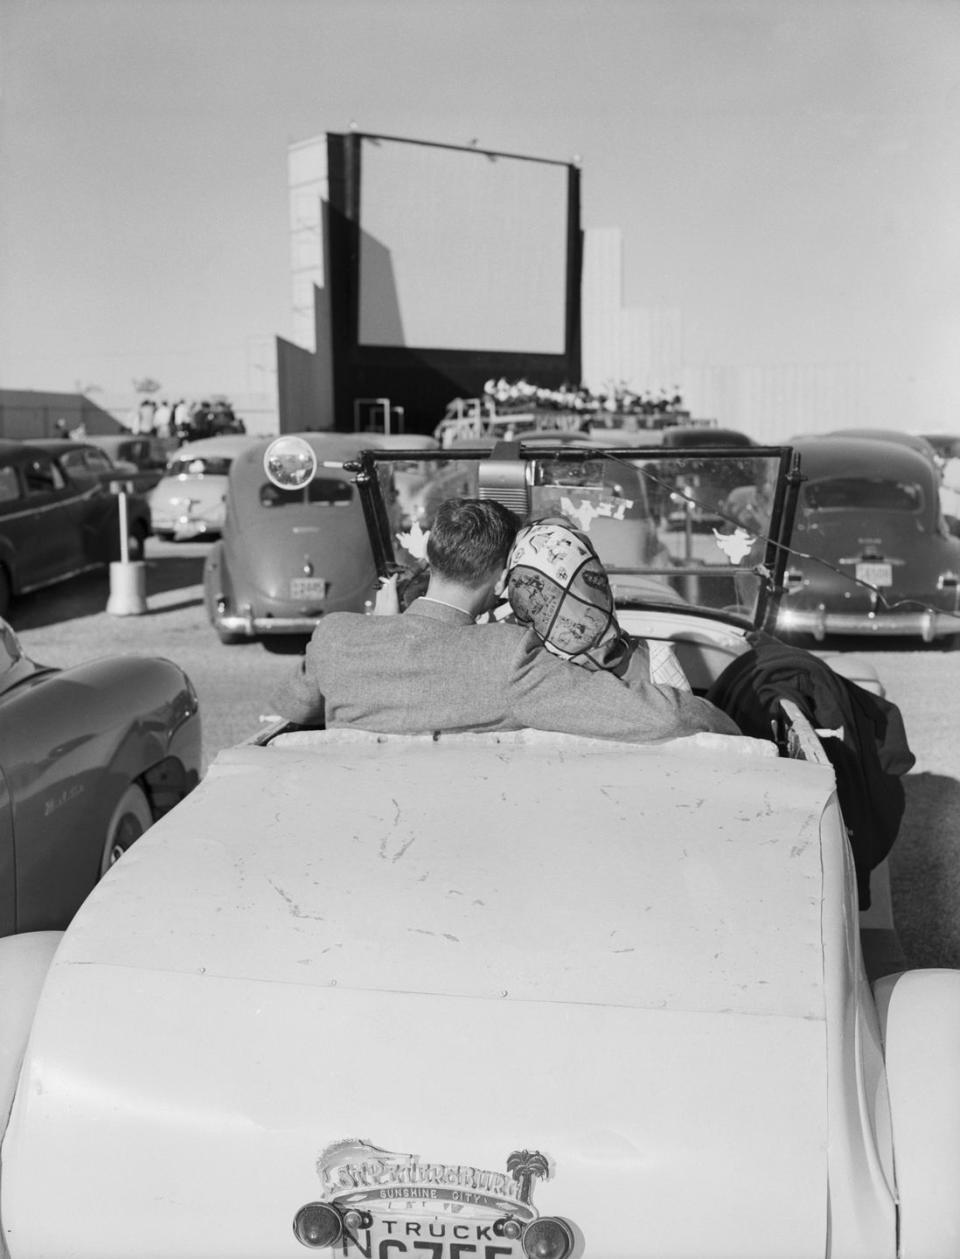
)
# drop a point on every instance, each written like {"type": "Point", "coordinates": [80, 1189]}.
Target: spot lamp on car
{"type": "Point", "coordinates": [321, 1225]}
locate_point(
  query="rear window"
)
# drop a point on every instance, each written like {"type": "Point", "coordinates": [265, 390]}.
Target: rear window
{"type": "Point", "coordinates": [862, 493]}
{"type": "Point", "coordinates": [200, 465]}
{"type": "Point", "coordinates": [324, 491]}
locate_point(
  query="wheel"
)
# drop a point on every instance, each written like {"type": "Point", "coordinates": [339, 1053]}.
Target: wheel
{"type": "Point", "coordinates": [129, 820]}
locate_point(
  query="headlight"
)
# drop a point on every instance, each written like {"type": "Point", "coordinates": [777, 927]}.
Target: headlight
{"type": "Point", "coordinates": [548, 1238]}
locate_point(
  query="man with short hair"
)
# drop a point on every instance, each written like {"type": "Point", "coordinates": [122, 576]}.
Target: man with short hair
{"type": "Point", "coordinates": [434, 669]}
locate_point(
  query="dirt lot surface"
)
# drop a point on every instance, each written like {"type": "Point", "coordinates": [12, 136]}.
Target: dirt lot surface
{"type": "Point", "coordinates": [69, 624]}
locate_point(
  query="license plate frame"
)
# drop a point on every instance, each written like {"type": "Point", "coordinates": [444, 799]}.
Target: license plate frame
{"type": "Point", "coordinates": [875, 573]}
{"type": "Point", "coordinates": [413, 1238]}
{"type": "Point", "coordinates": [309, 588]}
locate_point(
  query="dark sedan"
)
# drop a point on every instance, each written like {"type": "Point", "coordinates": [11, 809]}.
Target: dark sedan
{"type": "Point", "coordinates": [871, 554]}
{"type": "Point", "coordinates": [58, 515]}
{"type": "Point", "coordinates": [90, 757]}
{"type": "Point", "coordinates": [146, 456]}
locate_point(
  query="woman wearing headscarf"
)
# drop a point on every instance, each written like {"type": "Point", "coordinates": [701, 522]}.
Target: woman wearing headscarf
{"type": "Point", "coordinates": [557, 585]}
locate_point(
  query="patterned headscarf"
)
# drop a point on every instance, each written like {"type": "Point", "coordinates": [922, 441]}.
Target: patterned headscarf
{"type": "Point", "coordinates": [558, 586]}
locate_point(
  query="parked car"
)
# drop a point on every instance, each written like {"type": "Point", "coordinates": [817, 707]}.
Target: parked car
{"type": "Point", "coordinates": [90, 756]}
{"type": "Point", "coordinates": [288, 557]}
{"type": "Point", "coordinates": [947, 445]}
{"type": "Point", "coordinates": [190, 499]}
{"type": "Point", "coordinates": [693, 490]}
{"type": "Point", "coordinates": [487, 995]}
{"type": "Point", "coordinates": [899, 436]}
{"type": "Point", "coordinates": [58, 516]}
{"type": "Point", "coordinates": [146, 456]}
{"type": "Point", "coordinates": [871, 552]}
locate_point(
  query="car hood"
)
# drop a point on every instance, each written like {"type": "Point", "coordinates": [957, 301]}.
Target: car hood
{"type": "Point", "coordinates": [613, 957]}
{"type": "Point", "coordinates": [199, 489]}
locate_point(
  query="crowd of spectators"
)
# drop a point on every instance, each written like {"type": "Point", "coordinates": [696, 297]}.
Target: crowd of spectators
{"type": "Point", "coordinates": [184, 421]}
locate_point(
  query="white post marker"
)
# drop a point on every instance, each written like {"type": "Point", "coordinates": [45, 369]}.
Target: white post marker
{"type": "Point", "coordinates": [128, 578]}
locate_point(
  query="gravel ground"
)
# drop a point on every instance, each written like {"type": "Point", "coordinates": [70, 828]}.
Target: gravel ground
{"type": "Point", "coordinates": [69, 624]}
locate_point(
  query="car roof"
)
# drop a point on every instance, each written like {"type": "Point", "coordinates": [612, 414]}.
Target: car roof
{"type": "Point", "coordinates": [10, 449]}
{"type": "Point", "coordinates": [63, 445]}
{"type": "Point", "coordinates": [845, 456]}
{"type": "Point", "coordinates": [898, 436]}
{"type": "Point", "coordinates": [224, 445]}
{"type": "Point", "coordinates": [704, 435]}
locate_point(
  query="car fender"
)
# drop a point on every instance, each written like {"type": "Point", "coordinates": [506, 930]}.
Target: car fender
{"type": "Point", "coordinates": [216, 579]}
{"type": "Point", "coordinates": [24, 961]}
{"type": "Point", "coordinates": [919, 1014]}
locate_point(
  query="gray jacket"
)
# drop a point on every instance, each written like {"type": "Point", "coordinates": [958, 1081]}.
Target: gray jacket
{"type": "Point", "coordinates": [432, 669]}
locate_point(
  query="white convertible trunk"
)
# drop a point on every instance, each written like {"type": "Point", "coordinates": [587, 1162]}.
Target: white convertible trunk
{"type": "Point", "coordinates": [457, 949]}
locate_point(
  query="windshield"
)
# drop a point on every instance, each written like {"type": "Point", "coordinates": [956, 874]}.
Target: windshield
{"type": "Point", "coordinates": [669, 527]}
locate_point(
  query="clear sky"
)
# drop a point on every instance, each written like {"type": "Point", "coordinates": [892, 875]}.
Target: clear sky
{"type": "Point", "coordinates": [785, 172]}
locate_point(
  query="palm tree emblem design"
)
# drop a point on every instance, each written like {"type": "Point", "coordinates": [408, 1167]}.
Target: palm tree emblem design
{"type": "Point", "coordinates": [525, 1166]}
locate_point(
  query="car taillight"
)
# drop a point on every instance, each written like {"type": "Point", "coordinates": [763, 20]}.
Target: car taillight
{"type": "Point", "coordinates": [793, 579]}
{"type": "Point", "coordinates": [548, 1238]}
{"type": "Point", "coordinates": [317, 1225]}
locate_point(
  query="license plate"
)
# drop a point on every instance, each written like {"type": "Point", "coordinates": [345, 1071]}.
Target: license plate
{"type": "Point", "coordinates": [875, 574]}
{"type": "Point", "coordinates": [308, 588]}
{"type": "Point", "coordinates": [441, 1238]}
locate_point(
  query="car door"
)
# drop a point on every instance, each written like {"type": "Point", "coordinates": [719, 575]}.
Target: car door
{"type": "Point", "coordinates": [38, 521]}
{"type": "Point", "coordinates": [7, 868]}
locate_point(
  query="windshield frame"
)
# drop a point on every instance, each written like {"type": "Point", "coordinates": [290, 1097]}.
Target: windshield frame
{"type": "Point", "coordinates": [510, 477]}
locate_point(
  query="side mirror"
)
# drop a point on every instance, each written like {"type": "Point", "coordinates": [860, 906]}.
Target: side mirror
{"type": "Point", "coordinates": [290, 463]}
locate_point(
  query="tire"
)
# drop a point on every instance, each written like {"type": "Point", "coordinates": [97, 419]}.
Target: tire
{"type": "Point", "coordinates": [127, 823]}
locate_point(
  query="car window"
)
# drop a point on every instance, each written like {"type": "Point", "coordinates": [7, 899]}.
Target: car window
{"type": "Point", "coordinates": [200, 465]}
{"type": "Point", "coordinates": [97, 461]}
{"type": "Point", "coordinates": [325, 491]}
{"type": "Point", "coordinates": [74, 465]}
{"type": "Point", "coordinates": [42, 476]}
{"type": "Point", "coordinates": [861, 493]}
{"type": "Point", "coordinates": [9, 485]}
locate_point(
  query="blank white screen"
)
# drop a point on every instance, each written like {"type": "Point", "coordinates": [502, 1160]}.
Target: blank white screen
{"type": "Point", "coordinates": [460, 250]}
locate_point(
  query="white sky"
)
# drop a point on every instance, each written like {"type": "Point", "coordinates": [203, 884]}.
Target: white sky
{"type": "Point", "coordinates": [786, 172]}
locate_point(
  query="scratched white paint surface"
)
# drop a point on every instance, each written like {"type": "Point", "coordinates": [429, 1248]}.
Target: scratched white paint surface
{"type": "Point", "coordinates": [610, 954]}
{"type": "Point", "coordinates": [548, 872]}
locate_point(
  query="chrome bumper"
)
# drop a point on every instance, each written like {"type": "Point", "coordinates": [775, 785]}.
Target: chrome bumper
{"type": "Point", "coordinates": [253, 626]}
{"type": "Point", "coordinates": [818, 622]}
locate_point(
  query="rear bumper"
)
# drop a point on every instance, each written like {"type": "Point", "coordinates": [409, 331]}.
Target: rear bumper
{"type": "Point", "coordinates": [185, 525]}
{"type": "Point", "coordinates": [253, 626]}
{"type": "Point", "coordinates": [928, 624]}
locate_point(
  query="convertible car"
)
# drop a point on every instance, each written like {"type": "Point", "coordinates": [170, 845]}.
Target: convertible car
{"type": "Point", "coordinates": [90, 756]}
{"type": "Point", "coordinates": [487, 996]}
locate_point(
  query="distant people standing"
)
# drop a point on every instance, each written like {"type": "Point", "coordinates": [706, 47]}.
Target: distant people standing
{"type": "Point", "coordinates": [162, 419]}
{"type": "Point", "coordinates": [147, 414]}
{"type": "Point", "coordinates": [181, 421]}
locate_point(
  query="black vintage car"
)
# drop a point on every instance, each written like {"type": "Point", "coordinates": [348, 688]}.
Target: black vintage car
{"type": "Point", "coordinates": [872, 554]}
{"type": "Point", "coordinates": [59, 515]}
